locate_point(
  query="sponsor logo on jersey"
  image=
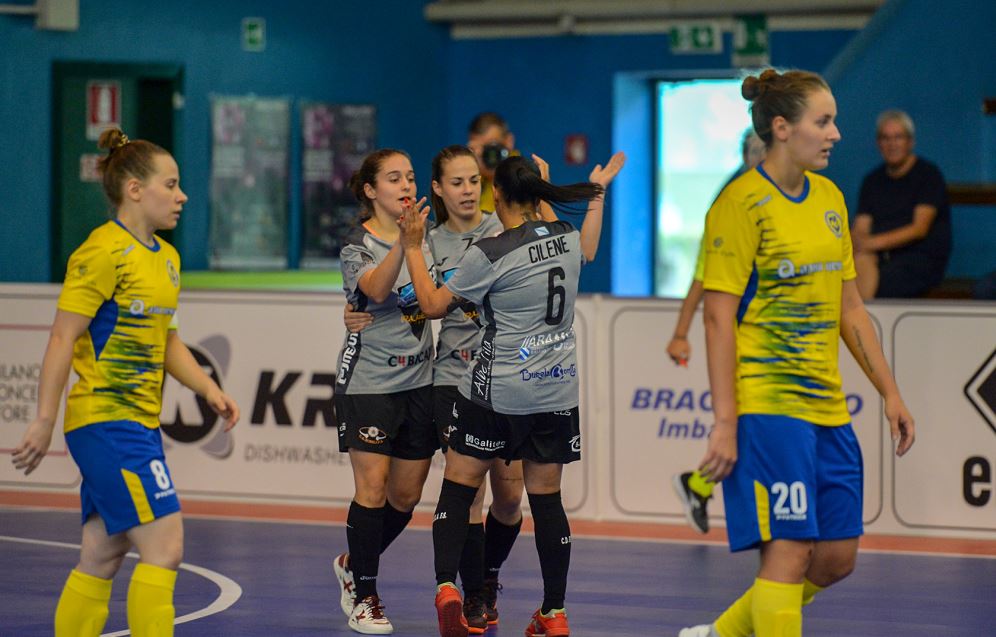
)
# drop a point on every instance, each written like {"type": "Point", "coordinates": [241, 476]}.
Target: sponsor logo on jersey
{"type": "Point", "coordinates": [403, 360]}
{"type": "Point", "coordinates": [537, 343]}
{"type": "Point", "coordinates": [348, 354]}
{"type": "Point", "coordinates": [557, 373]}
{"type": "Point", "coordinates": [137, 308]}
{"type": "Point", "coordinates": [788, 270]}
{"type": "Point", "coordinates": [465, 355]}
{"type": "Point", "coordinates": [480, 444]}
{"type": "Point", "coordinates": [834, 222]}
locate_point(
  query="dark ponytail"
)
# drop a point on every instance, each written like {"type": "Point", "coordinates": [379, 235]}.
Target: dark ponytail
{"type": "Point", "coordinates": [439, 162]}
{"type": "Point", "coordinates": [518, 179]}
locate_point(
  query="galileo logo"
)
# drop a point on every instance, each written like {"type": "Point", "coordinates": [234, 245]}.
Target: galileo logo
{"type": "Point", "coordinates": [834, 222]}
{"type": "Point", "coordinates": [981, 391]}
{"type": "Point", "coordinates": [187, 418]}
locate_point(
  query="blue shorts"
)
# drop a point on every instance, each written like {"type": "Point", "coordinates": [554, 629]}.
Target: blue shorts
{"type": "Point", "coordinates": [125, 478]}
{"type": "Point", "coordinates": [793, 480]}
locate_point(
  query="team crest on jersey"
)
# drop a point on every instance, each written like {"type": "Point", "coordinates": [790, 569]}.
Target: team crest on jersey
{"type": "Point", "coordinates": [372, 435]}
{"type": "Point", "coordinates": [834, 222]}
{"type": "Point", "coordinates": [174, 276]}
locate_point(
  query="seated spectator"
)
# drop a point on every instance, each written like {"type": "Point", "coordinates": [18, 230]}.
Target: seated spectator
{"type": "Point", "coordinates": [902, 232]}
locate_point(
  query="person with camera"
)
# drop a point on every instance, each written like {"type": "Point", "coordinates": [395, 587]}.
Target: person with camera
{"type": "Point", "coordinates": [488, 136]}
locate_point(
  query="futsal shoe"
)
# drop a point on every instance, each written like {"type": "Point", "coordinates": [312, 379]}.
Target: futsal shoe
{"type": "Point", "coordinates": [490, 595]}
{"type": "Point", "coordinates": [347, 591]}
{"type": "Point", "coordinates": [368, 617]}
{"type": "Point", "coordinates": [704, 630]}
{"type": "Point", "coordinates": [693, 503]}
{"type": "Point", "coordinates": [449, 608]}
{"type": "Point", "coordinates": [552, 625]}
{"type": "Point", "coordinates": [473, 611]}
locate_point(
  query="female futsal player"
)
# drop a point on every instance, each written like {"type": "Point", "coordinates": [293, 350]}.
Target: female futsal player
{"type": "Point", "coordinates": [515, 402]}
{"type": "Point", "coordinates": [383, 393]}
{"type": "Point", "coordinates": [116, 326]}
{"type": "Point", "coordinates": [780, 291]}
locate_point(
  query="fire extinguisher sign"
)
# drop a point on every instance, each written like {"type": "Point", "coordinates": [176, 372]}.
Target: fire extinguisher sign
{"type": "Point", "coordinates": [103, 107]}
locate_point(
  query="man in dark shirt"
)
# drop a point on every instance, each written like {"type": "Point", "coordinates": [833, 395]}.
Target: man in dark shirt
{"type": "Point", "coordinates": [902, 232]}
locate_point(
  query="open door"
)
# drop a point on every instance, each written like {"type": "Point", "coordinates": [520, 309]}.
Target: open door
{"type": "Point", "coordinates": [87, 98]}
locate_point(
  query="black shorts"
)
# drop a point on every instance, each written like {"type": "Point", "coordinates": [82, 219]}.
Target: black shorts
{"type": "Point", "coordinates": [397, 425]}
{"type": "Point", "coordinates": [543, 437]}
{"type": "Point", "coordinates": [444, 399]}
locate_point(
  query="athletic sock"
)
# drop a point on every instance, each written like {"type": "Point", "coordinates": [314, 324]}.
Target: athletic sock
{"type": "Point", "coordinates": [809, 591]}
{"type": "Point", "coordinates": [394, 523]}
{"type": "Point", "coordinates": [777, 609]}
{"type": "Point", "coordinates": [736, 620]}
{"type": "Point", "coordinates": [150, 601]}
{"type": "Point", "coordinates": [82, 608]}
{"type": "Point", "coordinates": [472, 561]}
{"type": "Point", "coordinates": [449, 528]}
{"type": "Point", "coordinates": [498, 541]}
{"type": "Point", "coordinates": [700, 484]}
{"type": "Point", "coordinates": [553, 544]}
{"type": "Point", "coordinates": [364, 530]}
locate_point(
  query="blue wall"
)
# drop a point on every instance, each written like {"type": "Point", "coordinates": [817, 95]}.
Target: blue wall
{"type": "Point", "coordinates": [934, 60]}
{"type": "Point", "coordinates": [333, 51]}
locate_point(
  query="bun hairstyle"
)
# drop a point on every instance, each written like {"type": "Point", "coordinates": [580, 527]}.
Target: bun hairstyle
{"type": "Point", "coordinates": [125, 159]}
{"type": "Point", "coordinates": [439, 163]}
{"type": "Point", "coordinates": [367, 174]}
{"type": "Point", "coordinates": [518, 180]}
{"type": "Point", "coordinates": [773, 94]}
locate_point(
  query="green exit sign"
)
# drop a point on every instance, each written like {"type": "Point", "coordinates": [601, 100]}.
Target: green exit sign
{"type": "Point", "coordinates": [696, 37]}
{"type": "Point", "coordinates": [253, 34]}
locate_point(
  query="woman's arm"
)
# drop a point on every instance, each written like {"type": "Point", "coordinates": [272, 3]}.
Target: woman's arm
{"type": "Point", "coordinates": [721, 353]}
{"type": "Point", "coordinates": [591, 228]}
{"type": "Point", "coordinates": [181, 365]}
{"type": "Point", "coordinates": [859, 335]}
{"type": "Point", "coordinates": [66, 330]}
{"type": "Point", "coordinates": [378, 283]}
{"type": "Point", "coordinates": [678, 349]}
{"type": "Point", "coordinates": [434, 302]}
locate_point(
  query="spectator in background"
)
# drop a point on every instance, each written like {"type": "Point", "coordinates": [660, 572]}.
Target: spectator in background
{"type": "Point", "coordinates": [902, 232]}
{"type": "Point", "coordinates": [488, 136]}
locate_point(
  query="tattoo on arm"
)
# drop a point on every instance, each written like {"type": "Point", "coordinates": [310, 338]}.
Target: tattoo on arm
{"type": "Point", "coordinates": [864, 353]}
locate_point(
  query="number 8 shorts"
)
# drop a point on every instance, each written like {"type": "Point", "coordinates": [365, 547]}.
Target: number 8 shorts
{"type": "Point", "coordinates": [125, 478]}
{"type": "Point", "coordinates": [793, 480]}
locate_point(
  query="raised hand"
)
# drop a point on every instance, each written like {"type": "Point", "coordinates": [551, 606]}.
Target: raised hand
{"type": "Point", "coordinates": [412, 223]}
{"type": "Point", "coordinates": [544, 167]}
{"type": "Point", "coordinates": [604, 176]}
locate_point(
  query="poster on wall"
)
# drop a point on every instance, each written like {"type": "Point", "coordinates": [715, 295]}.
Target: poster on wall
{"type": "Point", "coordinates": [249, 166]}
{"type": "Point", "coordinates": [335, 139]}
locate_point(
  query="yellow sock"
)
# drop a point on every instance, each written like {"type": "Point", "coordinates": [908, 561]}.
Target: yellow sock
{"type": "Point", "coordinates": [809, 591]}
{"type": "Point", "coordinates": [82, 609]}
{"type": "Point", "coordinates": [699, 484]}
{"type": "Point", "coordinates": [150, 601]}
{"type": "Point", "coordinates": [777, 609]}
{"type": "Point", "coordinates": [736, 620]}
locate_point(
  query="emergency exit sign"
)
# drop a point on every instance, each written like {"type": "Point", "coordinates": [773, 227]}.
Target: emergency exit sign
{"type": "Point", "coordinates": [253, 34]}
{"type": "Point", "coordinates": [696, 37]}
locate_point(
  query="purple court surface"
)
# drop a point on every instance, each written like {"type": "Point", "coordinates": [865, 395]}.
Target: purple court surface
{"type": "Point", "coordinates": [274, 579]}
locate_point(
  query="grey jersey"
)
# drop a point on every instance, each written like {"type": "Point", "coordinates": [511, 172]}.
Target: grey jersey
{"type": "Point", "coordinates": [459, 336]}
{"type": "Point", "coordinates": [524, 282]}
{"type": "Point", "coordinates": [394, 353]}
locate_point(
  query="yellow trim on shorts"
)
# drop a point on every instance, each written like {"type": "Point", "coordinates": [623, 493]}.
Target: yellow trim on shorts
{"type": "Point", "coordinates": [138, 496]}
{"type": "Point", "coordinates": [763, 507]}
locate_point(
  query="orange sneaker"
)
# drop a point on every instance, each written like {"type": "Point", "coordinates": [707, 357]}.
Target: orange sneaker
{"type": "Point", "coordinates": [552, 625]}
{"type": "Point", "coordinates": [449, 608]}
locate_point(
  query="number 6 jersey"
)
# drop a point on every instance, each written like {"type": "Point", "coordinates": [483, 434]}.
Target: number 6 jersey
{"type": "Point", "coordinates": [524, 282]}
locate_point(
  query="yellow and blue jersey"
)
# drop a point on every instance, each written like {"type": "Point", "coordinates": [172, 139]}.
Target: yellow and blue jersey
{"type": "Point", "coordinates": [787, 258]}
{"type": "Point", "coordinates": [130, 291]}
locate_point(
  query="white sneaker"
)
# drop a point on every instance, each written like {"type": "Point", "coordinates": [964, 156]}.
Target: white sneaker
{"type": "Point", "coordinates": [368, 617]}
{"type": "Point", "coordinates": [703, 630]}
{"type": "Point", "coordinates": [347, 591]}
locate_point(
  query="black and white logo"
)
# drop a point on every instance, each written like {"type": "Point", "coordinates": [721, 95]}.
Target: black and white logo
{"type": "Point", "coordinates": [981, 391]}
{"type": "Point", "coordinates": [187, 418]}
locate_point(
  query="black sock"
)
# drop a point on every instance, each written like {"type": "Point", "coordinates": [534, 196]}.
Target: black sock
{"type": "Point", "coordinates": [472, 561]}
{"type": "Point", "coordinates": [449, 528]}
{"type": "Point", "coordinates": [364, 527]}
{"type": "Point", "coordinates": [394, 523]}
{"type": "Point", "coordinates": [498, 541]}
{"type": "Point", "coordinates": [553, 543]}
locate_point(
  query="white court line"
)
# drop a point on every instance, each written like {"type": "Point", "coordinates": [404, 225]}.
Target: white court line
{"type": "Point", "coordinates": [230, 591]}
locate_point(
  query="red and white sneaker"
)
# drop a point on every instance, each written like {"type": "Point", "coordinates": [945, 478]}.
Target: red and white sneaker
{"type": "Point", "coordinates": [449, 608]}
{"type": "Point", "coordinates": [368, 617]}
{"type": "Point", "coordinates": [344, 575]}
{"type": "Point", "coordinates": [553, 624]}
